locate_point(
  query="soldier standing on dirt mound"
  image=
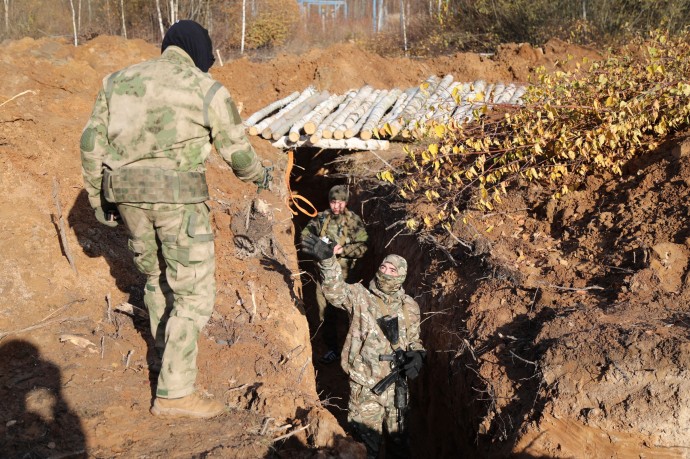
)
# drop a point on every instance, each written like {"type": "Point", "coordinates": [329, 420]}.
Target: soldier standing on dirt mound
{"type": "Point", "coordinates": [346, 230]}
{"type": "Point", "coordinates": [143, 152]}
{"type": "Point", "coordinates": [370, 414]}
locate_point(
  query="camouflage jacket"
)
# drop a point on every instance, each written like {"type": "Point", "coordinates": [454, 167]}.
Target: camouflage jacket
{"type": "Point", "coordinates": [365, 341]}
{"type": "Point", "coordinates": [346, 229]}
{"type": "Point", "coordinates": [163, 114]}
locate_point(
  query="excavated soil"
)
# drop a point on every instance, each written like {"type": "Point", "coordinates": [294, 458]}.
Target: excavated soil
{"type": "Point", "coordinates": [561, 333]}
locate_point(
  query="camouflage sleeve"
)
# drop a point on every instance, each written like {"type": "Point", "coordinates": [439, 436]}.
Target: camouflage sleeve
{"type": "Point", "coordinates": [312, 227]}
{"type": "Point", "coordinates": [358, 247]}
{"type": "Point", "coordinates": [335, 289]}
{"type": "Point", "coordinates": [93, 145]}
{"type": "Point", "coordinates": [230, 140]}
{"type": "Point", "coordinates": [414, 322]}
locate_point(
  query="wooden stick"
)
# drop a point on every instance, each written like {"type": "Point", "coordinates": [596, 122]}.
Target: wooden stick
{"type": "Point", "coordinates": [355, 103]}
{"type": "Point", "coordinates": [356, 119]}
{"type": "Point", "coordinates": [41, 325]}
{"type": "Point", "coordinates": [324, 130]}
{"type": "Point", "coordinates": [61, 226]}
{"type": "Point", "coordinates": [253, 312]}
{"type": "Point", "coordinates": [80, 300]}
{"type": "Point", "coordinates": [18, 95]}
{"type": "Point", "coordinates": [282, 125]}
{"type": "Point", "coordinates": [288, 435]}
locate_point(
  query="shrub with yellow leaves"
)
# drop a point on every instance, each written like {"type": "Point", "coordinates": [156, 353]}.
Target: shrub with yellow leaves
{"type": "Point", "coordinates": [573, 124]}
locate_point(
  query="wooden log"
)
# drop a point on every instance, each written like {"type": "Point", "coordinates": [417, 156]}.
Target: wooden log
{"type": "Point", "coordinates": [414, 104]}
{"type": "Point", "coordinates": [267, 110]}
{"type": "Point", "coordinates": [516, 99]}
{"type": "Point", "coordinates": [505, 96]}
{"type": "Point", "coordinates": [429, 106]}
{"type": "Point", "coordinates": [331, 144]}
{"type": "Point", "coordinates": [377, 111]}
{"type": "Point", "coordinates": [395, 113]}
{"type": "Point", "coordinates": [324, 130]}
{"type": "Point", "coordinates": [441, 111]}
{"type": "Point", "coordinates": [305, 114]}
{"type": "Point", "coordinates": [496, 93]}
{"type": "Point", "coordinates": [283, 124]}
{"type": "Point", "coordinates": [354, 122]}
{"type": "Point", "coordinates": [259, 128]}
{"type": "Point", "coordinates": [320, 112]}
{"type": "Point", "coordinates": [337, 124]}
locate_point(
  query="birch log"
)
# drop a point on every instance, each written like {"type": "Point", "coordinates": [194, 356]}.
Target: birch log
{"type": "Point", "coordinates": [321, 112]}
{"type": "Point", "coordinates": [324, 131]}
{"type": "Point", "coordinates": [355, 103]}
{"type": "Point", "coordinates": [356, 119]}
{"type": "Point", "coordinates": [516, 99]}
{"type": "Point", "coordinates": [332, 144]}
{"type": "Point", "coordinates": [267, 110]}
{"type": "Point", "coordinates": [280, 126]}
{"type": "Point", "coordinates": [414, 104]}
{"type": "Point", "coordinates": [377, 112]}
{"type": "Point", "coordinates": [505, 96]}
{"type": "Point", "coordinates": [258, 128]}
{"type": "Point", "coordinates": [395, 111]}
{"type": "Point", "coordinates": [305, 114]}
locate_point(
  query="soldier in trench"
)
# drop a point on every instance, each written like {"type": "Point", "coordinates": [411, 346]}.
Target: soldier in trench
{"type": "Point", "coordinates": [373, 417]}
{"type": "Point", "coordinates": [143, 152]}
{"type": "Point", "coordinates": [346, 230]}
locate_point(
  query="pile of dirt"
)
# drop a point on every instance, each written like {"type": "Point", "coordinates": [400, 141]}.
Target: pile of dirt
{"type": "Point", "coordinates": [566, 326]}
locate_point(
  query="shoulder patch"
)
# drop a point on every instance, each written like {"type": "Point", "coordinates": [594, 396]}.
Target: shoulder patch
{"type": "Point", "coordinates": [88, 139]}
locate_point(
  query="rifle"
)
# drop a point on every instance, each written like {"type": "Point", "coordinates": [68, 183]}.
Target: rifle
{"type": "Point", "coordinates": [389, 326]}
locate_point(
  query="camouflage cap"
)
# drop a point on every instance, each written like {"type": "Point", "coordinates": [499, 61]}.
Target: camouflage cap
{"type": "Point", "coordinates": [338, 193]}
{"type": "Point", "coordinates": [399, 262]}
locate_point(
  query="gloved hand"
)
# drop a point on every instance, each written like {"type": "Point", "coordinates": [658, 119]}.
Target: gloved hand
{"type": "Point", "coordinates": [413, 363]}
{"type": "Point", "coordinates": [107, 214]}
{"type": "Point", "coordinates": [264, 183]}
{"type": "Point", "coordinates": [314, 246]}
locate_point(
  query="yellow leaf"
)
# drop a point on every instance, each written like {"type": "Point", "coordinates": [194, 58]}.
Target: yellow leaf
{"type": "Point", "coordinates": [440, 129]}
{"type": "Point", "coordinates": [412, 224]}
{"type": "Point", "coordinates": [433, 149]}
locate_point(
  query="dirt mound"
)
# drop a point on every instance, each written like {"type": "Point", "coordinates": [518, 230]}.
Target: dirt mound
{"type": "Point", "coordinates": [556, 332]}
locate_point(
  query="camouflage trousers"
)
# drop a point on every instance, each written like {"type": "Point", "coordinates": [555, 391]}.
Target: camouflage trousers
{"type": "Point", "coordinates": [328, 314]}
{"type": "Point", "coordinates": [173, 247]}
{"type": "Point", "coordinates": [374, 419]}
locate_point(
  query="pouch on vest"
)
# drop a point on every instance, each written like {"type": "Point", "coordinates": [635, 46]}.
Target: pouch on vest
{"type": "Point", "coordinates": [154, 185]}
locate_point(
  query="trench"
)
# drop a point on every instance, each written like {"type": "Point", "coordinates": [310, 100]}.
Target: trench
{"type": "Point", "coordinates": [443, 416]}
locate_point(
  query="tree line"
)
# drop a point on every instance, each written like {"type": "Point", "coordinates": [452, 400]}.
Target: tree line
{"type": "Point", "coordinates": [414, 26]}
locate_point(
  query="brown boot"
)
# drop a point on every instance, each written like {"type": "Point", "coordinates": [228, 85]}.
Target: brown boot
{"type": "Point", "coordinates": [192, 406]}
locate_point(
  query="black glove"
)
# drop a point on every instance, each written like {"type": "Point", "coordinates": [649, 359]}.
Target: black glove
{"type": "Point", "coordinates": [264, 183]}
{"type": "Point", "coordinates": [107, 214]}
{"type": "Point", "coordinates": [314, 246]}
{"type": "Point", "coordinates": [413, 363]}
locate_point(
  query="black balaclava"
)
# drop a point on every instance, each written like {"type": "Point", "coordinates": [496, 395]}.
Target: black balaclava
{"type": "Point", "coordinates": [194, 40]}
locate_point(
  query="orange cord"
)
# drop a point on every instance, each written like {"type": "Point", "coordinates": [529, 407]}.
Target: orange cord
{"type": "Point", "coordinates": [294, 196]}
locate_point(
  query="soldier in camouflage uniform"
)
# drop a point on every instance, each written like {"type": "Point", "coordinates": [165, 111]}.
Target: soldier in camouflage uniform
{"type": "Point", "coordinates": [143, 152]}
{"type": "Point", "coordinates": [346, 230]}
{"type": "Point", "coordinates": [368, 413]}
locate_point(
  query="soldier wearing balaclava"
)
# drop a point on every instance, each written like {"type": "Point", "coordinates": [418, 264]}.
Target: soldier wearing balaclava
{"type": "Point", "coordinates": [366, 341]}
{"type": "Point", "coordinates": [143, 155]}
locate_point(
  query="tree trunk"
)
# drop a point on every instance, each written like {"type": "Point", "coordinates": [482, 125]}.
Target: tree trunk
{"type": "Point", "coordinates": [7, 17]}
{"type": "Point", "coordinates": [74, 21]}
{"type": "Point", "coordinates": [122, 15]}
{"type": "Point", "coordinates": [160, 18]}
{"type": "Point", "coordinates": [264, 112]}
{"type": "Point", "coordinates": [244, 24]}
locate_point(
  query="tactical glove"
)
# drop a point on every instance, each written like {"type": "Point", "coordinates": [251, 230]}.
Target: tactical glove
{"type": "Point", "coordinates": [314, 246]}
{"type": "Point", "coordinates": [413, 363]}
{"type": "Point", "coordinates": [264, 183]}
{"type": "Point", "coordinates": [107, 214]}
